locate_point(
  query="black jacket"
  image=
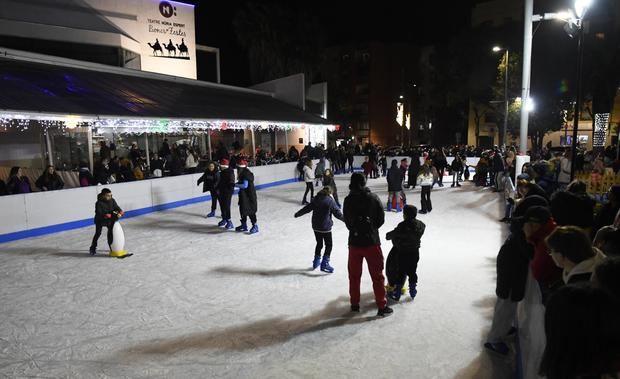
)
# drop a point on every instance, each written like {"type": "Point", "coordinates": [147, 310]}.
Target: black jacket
{"type": "Point", "coordinates": [407, 235]}
{"type": "Point", "coordinates": [50, 182]}
{"type": "Point", "coordinates": [512, 265]}
{"type": "Point", "coordinates": [322, 208]}
{"type": "Point", "coordinates": [210, 180]}
{"type": "Point", "coordinates": [226, 183]}
{"type": "Point", "coordinates": [103, 207]}
{"type": "Point", "coordinates": [363, 215]}
{"type": "Point", "coordinates": [414, 170]}
{"type": "Point", "coordinates": [248, 204]}
{"type": "Point", "coordinates": [395, 178]}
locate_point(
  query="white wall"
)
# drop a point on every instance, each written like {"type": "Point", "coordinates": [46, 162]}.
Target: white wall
{"type": "Point", "coordinates": [44, 209]}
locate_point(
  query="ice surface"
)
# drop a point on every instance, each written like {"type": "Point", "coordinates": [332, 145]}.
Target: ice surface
{"type": "Point", "coordinates": [196, 301]}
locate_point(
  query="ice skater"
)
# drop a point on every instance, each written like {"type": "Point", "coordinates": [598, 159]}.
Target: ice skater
{"type": "Point", "coordinates": [309, 179]}
{"type": "Point", "coordinates": [248, 203]}
{"type": "Point", "coordinates": [107, 212]}
{"type": "Point", "coordinates": [402, 261]}
{"type": "Point", "coordinates": [328, 181]}
{"type": "Point", "coordinates": [319, 171]}
{"type": "Point", "coordinates": [210, 182]}
{"type": "Point", "coordinates": [425, 180]}
{"type": "Point", "coordinates": [226, 187]}
{"type": "Point", "coordinates": [363, 215]}
{"type": "Point", "coordinates": [323, 206]}
{"type": "Point", "coordinates": [396, 196]}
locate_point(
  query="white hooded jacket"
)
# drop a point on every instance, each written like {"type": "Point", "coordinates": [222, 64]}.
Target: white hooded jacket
{"type": "Point", "coordinates": [584, 267]}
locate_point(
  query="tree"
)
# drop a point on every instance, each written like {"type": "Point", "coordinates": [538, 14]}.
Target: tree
{"type": "Point", "coordinates": [514, 85]}
{"type": "Point", "coordinates": [548, 116]}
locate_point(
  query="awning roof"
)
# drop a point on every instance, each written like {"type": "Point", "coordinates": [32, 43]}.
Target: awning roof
{"type": "Point", "coordinates": [38, 87]}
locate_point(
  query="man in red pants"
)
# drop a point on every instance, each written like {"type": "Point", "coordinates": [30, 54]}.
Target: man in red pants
{"type": "Point", "coordinates": [363, 215]}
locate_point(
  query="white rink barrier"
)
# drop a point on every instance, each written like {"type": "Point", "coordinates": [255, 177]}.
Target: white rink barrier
{"type": "Point", "coordinates": [40, 213]}
{"type": "Point", "coordinates": [359, 159]}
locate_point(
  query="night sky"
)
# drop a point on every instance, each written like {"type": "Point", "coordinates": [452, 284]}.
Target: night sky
{"type": "Point", "coordinates": [345, 22]}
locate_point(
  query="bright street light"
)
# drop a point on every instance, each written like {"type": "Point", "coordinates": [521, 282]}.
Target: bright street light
{"type": "Point", "coordinates": [497, 48]}
{"type": "Point", "coordinates": [581, 6]}
{"type": "Point", "coordinates": [530, 105]}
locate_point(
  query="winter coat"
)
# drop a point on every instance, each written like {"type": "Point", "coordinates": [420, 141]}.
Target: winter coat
{"type": "Point", "coordinates": [512, 265]}
{"type": "Point", "coordinates": [425, 180]}
{"type": "Point", "coordinates": [414, 170]}
{"type": "Point", "coordinates": [3, 190]}
{"type": "Point", "coordinates": [407, 235]}
{"type": "Point", "coordinates": [308, 174]}
{"type": "Point", "coordinates": [210, 180]}
{"type": "Point", "coordinates": [440, 162]}
{"type": "Point", "coordinates": [248, 203]}
{"type": "Point", "coordinates": [457, 165]}
{"type": "Point", "coordinates": [322, 208]}
{"type": "Point", "coordinates": [50, 182]}
{"type": "Point", "coordinates": [320, 169]}
{"type": "Point", "coordinates": [544, 269]}
{"type": "Point", "coordinates": [363, 215]}
{"type": "Point", "coordinates": [582, 272]}
{"type": "Point", "coordinates": [103, 207]}
{"type": "Point", "coordinates": [498, 163]}
{"type": "Point", "coordinates": [394, 179]}
{"type": "Point", "coordinates": [17, 185]}
{"type": "Point", "coordinates": [226, 184]}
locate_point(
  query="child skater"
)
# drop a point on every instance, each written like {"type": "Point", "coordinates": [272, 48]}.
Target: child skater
{"type": "Point", "coordinates": [210, 180]}
{"type": "Point", "coordinates": [328, 181]}
{"type": "Point", "coordinates": [309, 180]}
{"type": "Point", "coordinates": [225, 190]}
{"type": "Point", "coordinates": [402, 261]}
{"type": "Point", "coordinates": [323, 206]}
{"type": "Point", "coordinates": [426, 181]}
{"type": "Point", "coordinates": [106, 214]}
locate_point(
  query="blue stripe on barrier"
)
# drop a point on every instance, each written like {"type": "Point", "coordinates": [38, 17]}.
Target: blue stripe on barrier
{"type": "Point", "coordinates": [129, 214]}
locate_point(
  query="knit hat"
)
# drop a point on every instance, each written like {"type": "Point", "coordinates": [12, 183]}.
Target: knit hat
{"type": "Point", "coordinates": [224, 162]}
{"type": "Point", "coordinates": [242, 163]}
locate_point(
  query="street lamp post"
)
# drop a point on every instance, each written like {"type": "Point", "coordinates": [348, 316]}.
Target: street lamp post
{"type": "Point", "coordinates": [576, 116]}
{"type": "Point", "coordinates": [581, 7]}
{"type": "Point", "coordinates": [505, 127]}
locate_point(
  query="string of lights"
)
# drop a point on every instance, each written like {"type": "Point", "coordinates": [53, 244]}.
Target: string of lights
{"type": "Point", "coordinates": [23, 122]}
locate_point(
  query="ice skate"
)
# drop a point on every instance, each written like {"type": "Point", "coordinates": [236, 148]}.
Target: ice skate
{"type": "Point", "coordinates": [222, 223]}
{"type": "Point", "coordinates": [316, 262]}
{"type": "Point", "coordinates": [211, 214]}
{"type": "Point", "coordinates": [325, 267]}
{"type": "Point", "coordinates": [386, 311]}
{"type": "Point", "coordinates": [242, 228]}
{"type": "Point", "coordinates": [254, 229]}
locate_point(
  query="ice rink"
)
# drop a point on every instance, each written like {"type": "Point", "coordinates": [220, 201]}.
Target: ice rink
{"type": "Point", "coordinates": [196, 301]}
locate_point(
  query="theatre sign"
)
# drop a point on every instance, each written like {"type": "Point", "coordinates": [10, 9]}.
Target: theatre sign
{"type": "Point", "coordinates": [167, 38]}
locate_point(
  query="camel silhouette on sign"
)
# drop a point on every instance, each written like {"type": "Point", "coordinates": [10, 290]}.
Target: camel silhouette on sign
{"type": "Point", "coordinates": [156, 47]}
{"type": "Point", "coordinates": [170, 47]}
{"type": "Point", "coordinates": [183, 48]}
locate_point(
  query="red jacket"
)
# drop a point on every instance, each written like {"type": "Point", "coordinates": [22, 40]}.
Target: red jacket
{"type": "Point", "coordinates": [544, 269]}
